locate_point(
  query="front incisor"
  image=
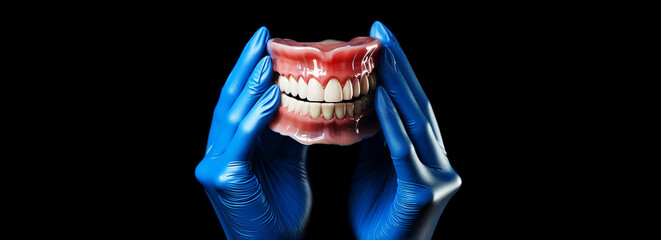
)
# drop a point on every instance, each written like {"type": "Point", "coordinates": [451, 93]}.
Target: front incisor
{"type": "Point", "coordinates": [333, 91]}
{"type": "Point", "coordinates": [327, 109]}
{"type": "Point", "coordinates": [315, 91]}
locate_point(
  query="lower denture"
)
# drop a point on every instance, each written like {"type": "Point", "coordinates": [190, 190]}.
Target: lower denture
{"type": "Point", "coordinates": [327, 89]}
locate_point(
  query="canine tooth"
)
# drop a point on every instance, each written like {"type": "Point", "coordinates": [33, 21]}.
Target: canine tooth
{"type": "Point", "coordinates": [297, 108]}
{"type": "Point", "coordinates": [340, 109]}
{"type": "Point", "coordinates": [350, 109]}
{"type": "Point", "coordinates": [364, 85]}
{"type": "Point", "coordinates": [315, 110]}
{"type": "Point", "coordinates": [347, 90]}
{"type": "Point", "coordinates": [305, 108]}
{"type": "Point", "coordinates": [293, 86]}
{"type": "Point", "coordinates": [358, 106]}
{"type": "Point", "coordinates": [356, 87]}
{"type": "Point", "coordinates": [302, 88]}
{"type": "Point", "coordinates": [333, 91]}
{"type": "Point", "coordinates": [327, 110]}
{"type": "Point", "coordinates": [315, 91]}
{"type": "Point", "coordinates": [283, 83]}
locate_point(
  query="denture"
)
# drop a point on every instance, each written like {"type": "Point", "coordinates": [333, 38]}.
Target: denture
{"type": "Point", "coordinates": [327, 89]}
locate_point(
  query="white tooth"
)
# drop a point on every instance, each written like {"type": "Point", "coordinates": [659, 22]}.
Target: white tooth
{"type": "Point", "coordinates": [283, 99]}
{"type": "Point", "coordinates": [315, 91]}
{"type": "Point", "coordinates": [340, 109]}
{"type": "Point", "coordinates": [287, 99]}
{"type": "Point", "coordinates": [315, 110]}
{"type": "Point", "coordinates": [364, 85]}
{"type": "Point", "coordinates": [293, 86]}
{"type": "Point", "coordinates": [358, 106]}
{"type": "Point", "coordinates": [356, 87]}
{"type": "Point", "coordinates": [347, 90]}
{"type": "Point", "coordinates": [350, 109]}
{"type": "Point", "coordinates": [333, 92]}
{"type": "Point", "coordinates": [305, 108]}
{"type": "Point", "coordinates": [327, 110]}
{"type": "Point", "coordinates": [372, 79]}
{"type": "Point", "coordinates": [302, 88]}
{"type": "Point", "coordinates": [297, 108]}
{"type": "Point", "coordinates": [291, 104]}
{"type": "Point", "coordinates": [283, 83]}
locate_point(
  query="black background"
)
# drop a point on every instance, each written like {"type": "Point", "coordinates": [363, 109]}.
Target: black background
{"type": "Point", "coordinates": [511, 87]}
{"type": "Point", "coordinates": [477, 71]}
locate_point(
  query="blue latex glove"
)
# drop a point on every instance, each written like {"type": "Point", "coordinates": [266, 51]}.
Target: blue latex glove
{"type": "Point", "coordinates": [401, 193]}
{"type": "Point", "coordinates": [256, 179]}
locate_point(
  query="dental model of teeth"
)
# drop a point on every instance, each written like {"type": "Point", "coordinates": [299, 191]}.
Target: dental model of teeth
{"type": "Point", "coordinates": [326, 89]}
{"type": "Point", "coordinates": [333, 101]}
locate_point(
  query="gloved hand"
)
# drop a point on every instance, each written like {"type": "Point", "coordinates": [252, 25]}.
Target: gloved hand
{"type": "Point", "coordinates": [400, 193]}
{"type": "Point", "coordinates": [256, 179]}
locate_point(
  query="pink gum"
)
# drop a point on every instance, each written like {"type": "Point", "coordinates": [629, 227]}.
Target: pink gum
{"type": "Point", "coordinates": [309, 131]}
{"type": "Point", "coordinates": [343, 61]}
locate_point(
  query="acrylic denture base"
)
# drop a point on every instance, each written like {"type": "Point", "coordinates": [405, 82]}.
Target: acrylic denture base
{"type": "Point", "coordinates": [327, 89]}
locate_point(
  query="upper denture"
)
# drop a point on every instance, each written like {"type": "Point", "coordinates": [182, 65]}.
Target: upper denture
{"type": "Point", "coordinates": [327, 89]}
{"type": "Point", "coordinates": [325, 60]}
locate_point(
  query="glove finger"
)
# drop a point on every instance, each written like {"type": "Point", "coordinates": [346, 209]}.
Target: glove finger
{"type": "Point", "coordinates": [253, 124]}
{"type": "Point", "coordinates": [401, 149]}
{"type": "Point", "coordinates": [252, 52]}
{"type": "Point", "coordinates": [386, 37]}
{"type": "Point", "coordinates": [416, 123]}
{"type": "Point", "coordinates": [258, 82]}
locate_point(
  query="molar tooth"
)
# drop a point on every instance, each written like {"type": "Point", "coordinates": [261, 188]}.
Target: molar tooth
{"type": "Point", "coordinates": [283, 83]}
{"type": "Point", "coordinates": [327, 110]}
{"type": "Point", "coordinates": [347, 90]}
{"type": "Point", "coordinates": [350, 109]}
{"type": "Point", "coordinates": [293, 86]}
{"type": "Point", "coordinates": [358, 107]}
{"type": "Point", "coordinates": [315, 91]}
{"type": "Point", "coordinates": [333, 92]}
{"type": "Point", "coordinates": [302, 88]}
{"type": "Point", "coordinates": [299, 105]}
{"type": "Point", "coordinates": [356, 87]}
{"type": "Point", "coordinates": [315, 110]}
{"type": "Point", "coordinates": [305, 108]}
{"type": "Point", "coordinates": [340, 109]}
{"type": "Point", "coordinates": [364, 85]}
